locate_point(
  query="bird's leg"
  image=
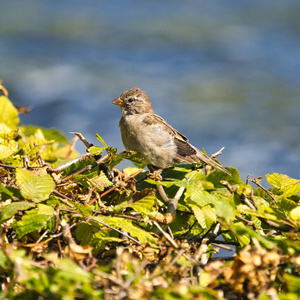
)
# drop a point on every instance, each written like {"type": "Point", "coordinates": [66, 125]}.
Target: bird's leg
{"type": "Point", "coordinates": [155, 173]}
{"type": "Point", "coordinates": [170, 202]}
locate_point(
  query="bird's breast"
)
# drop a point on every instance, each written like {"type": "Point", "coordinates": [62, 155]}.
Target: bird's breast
{"type": "Point", "coordinates": [151, 141]}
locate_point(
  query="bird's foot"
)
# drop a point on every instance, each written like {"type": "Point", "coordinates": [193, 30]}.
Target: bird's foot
{"type": "Point", "coordinates": [155, 175]}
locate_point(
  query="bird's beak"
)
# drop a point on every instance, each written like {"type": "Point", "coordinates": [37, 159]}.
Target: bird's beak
{"type": "Point", "coordinates": [118, 101]}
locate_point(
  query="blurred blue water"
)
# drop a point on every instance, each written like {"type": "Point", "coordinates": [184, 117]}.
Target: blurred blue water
{"type": "Point", "coordinates": [223, 73]}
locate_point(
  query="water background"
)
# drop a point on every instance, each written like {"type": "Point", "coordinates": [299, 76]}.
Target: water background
{"type": "Point", "coordinates": [225, 73]}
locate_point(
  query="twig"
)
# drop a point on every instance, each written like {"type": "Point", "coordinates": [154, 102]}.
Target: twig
{"type": "Point", "coordinates": [250, 223]}
{"type": "Point", "coordinates": [136, 273]}
{"type": "Point", "coordinates": [217, 153]}
{"type": "Point", "coordinates": [172, 205]}
{"type": "Point", "coordinates": [163, 194]}
{"type": "Point", "coordinates": [247, 201]}
{"type": "Point", "coordinates": [214, 234]}
{"type": "Point", "coordinates": [74, 140]}
{"type": "Point", "coordinates": [64, 198]}
{"type": "Point", "coordinates": [219, 242]}
{"type": "Point", "coordinates": [166, 235]}
{"type": "Point", "coordinates": [3, 89]}
{"type": "Point", "coordinates": [82, 138]}
{"type": "Point", "coordinates": [8, 166]}
{"type": "Point", "coordinates": [118, 216]}
{"type": "Point", "coordinates": [255, 181]}
{"type": "Point", "coordinates": [222, 246]}
{"type": "Point", "coordinates": [42, 236]}
{"type": "Point", "coordinates": [70, 163]}
{"type": "Point", "coordinates": [233, 190]}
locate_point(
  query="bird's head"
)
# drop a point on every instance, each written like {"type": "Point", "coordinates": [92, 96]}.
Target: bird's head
{"type": "Point", "coordinates": [134, 101]}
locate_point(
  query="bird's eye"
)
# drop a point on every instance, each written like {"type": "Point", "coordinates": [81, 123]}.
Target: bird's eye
{"type": "Point", "coordinates": [130, 100]}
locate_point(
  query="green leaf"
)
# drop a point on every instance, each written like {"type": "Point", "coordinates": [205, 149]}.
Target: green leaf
{"type": "Point", "coordinates": [99, 138]}
{"type": "Point", "coordinates": [145, 205]}
{"type": "Point", "coordinates": [100, 181]}
{"type": "Point", "coordinates": [84, 233]}
{"type": "Point", "coordinates": [295, 213]}
{"type": "Point", "coordinates": [127, 226]}
{"type": "Point", "coordinates": [224, 209]}
{"type": "Point", "coordinates": [217, 176]}
{"type": "Point", "coordinates": [295, 189]}
{"type": "Point", "coordinates": [96, 150]}
{"type": "Point", "coordinates": [282, 182]}
{"type": "Point", "coordinates": [6, 133]}
{"type": "Point", "coordinates": [286, 204]}
{"type": "Point", "coordinates": [210, 215]}
{"type": "Point", "coordinates": [7, 150]}
{"type": "Point", "coordinates": [9, 210]}
{"type": "Point", "coordinates": [200, 197]}
{"type": "Point", "coordinates": [130, 155]}
{"type": "Point", "coordinates": [293, 283]}
{"type": "Point", "coordinates": [199, 214]}
{"type": "Point", "coordinates": [68, 270]}
{"type": "Point", "coordinates": [163, 183]}
{"type": "Point", "coordinates": [84, 209]}
{"type": "Point", "coordinates": [49, 133]}
{"type": "Point", "coordinates": [4, 190]}
{"type": "Point", "coordinates": [243, 234]}
{"type": "Point", "coordinates": [34, 219]}
{"type": "Point", "coordinates": [35, 186]}
{"type": "Point", "coordinates": [8, 113]}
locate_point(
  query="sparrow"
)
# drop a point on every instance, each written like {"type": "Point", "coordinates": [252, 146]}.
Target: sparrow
{"type": "Point", "coordinates": [156, 142]}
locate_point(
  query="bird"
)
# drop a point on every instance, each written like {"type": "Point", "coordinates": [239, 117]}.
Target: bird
{"type": "Point", "coordinates": [156, 142]}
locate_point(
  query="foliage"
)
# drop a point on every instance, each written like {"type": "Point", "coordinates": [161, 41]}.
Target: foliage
{"type": "Point", "coordinates": [78, 228]}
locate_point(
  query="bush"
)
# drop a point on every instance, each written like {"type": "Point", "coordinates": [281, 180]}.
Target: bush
{"type": "Point", "coordinates": [76, 227]}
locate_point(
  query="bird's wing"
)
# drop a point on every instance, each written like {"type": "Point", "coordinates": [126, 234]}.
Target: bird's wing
{"type": "Point", "coordinates": [185, 151]}
{"type": "Point", "coordinates": [184, 148]}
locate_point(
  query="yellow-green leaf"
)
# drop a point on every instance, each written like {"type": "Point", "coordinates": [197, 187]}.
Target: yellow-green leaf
{"type": "Point", "coordinates": [8, 113]}
{"type": "Point", "coordinates": [9, 210]}
{"type": "Point", "coordinates": [281, 181]}
{"type": "Point", "coordinates": [33, 220]}
{"type": "Point", "coordinates": [295, 213]}
{"type": "Point", "coordinates": [6, 133]}
{"type": "Point", "coordinates": [145, 205]}
{"type": "Point", "coordinates": [99, 138]}
{"type": "Point", "coordinates": [199, 215]}
{"type": "Point", "coordinates": [36, 187]}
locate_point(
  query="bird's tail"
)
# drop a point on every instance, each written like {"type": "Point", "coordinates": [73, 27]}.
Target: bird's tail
{"type": "Point", "coordinates": [207, 160]}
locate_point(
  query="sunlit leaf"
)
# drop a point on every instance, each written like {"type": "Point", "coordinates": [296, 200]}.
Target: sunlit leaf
{"type": "Point", "coordinates": [49, 134]}
{"type": "Point", "coordinates": [199, 214]}
{"type": "Point", "coordinates": [33, 220]}
{"type": "Point", "coordinates": [84, 209]}
{"type": "Point", "coordinates": [36, 187]}
{"type": "Point", "coordinates": [9, 210]}
{"type": "Point", "coordinates": [127, 226]}
{"type": "Point", "coordinates": [281, 181]}
{"type": "Point", "coordinates": [99, 138]}
{"type": "Point", "coordinates": [224, 209]}
{"type": "Point", "coordinates": [8, 113]}
{"type": "Point", "coordinates": [145, 205]}
{"type": "Point", "coordinates": [6, 133]}
{"type": "Point", "coordinates": [96, 150]}
{"type": "Point", "coordinates": [295, 213]}
{"type": "Point", "coordinates": [217, 176]}
{"type": "Point", "coordinates": [293, 190]}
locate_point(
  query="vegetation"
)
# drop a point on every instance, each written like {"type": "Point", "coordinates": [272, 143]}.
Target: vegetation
{"type": "Point", "coordinates": [76, 227]}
